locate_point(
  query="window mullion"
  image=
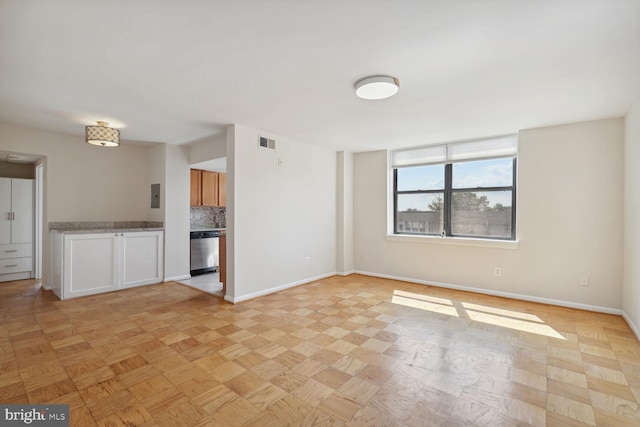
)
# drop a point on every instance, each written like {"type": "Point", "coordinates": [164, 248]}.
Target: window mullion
{"type": "Point", "coordinates": [513, 199]}
{"type": "Point", "coordinates": [481, 189]}
{"type": "Point", "coordinates": [448, 173]}
{"type": "Point", "coordinates": [395, 201]}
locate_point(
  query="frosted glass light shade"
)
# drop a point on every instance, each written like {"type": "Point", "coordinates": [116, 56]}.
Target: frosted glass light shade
{"type": "Point", "coordinates": [377, 87]}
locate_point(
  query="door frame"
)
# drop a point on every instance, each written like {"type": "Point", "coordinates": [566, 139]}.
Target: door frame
{"type": "Point", "coordinates": [39, 214]}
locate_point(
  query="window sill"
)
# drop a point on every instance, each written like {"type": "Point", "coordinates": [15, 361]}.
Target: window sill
{"type": "Point", "coordinates": [455, 241]}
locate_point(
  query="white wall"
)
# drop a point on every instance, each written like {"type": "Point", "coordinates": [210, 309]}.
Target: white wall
{"type": "Point", "coordinates": [177, 205]}
{"type": "Point", "coordinates": [208, 149]}
{"type": "Point", "coordinates": [84, 182]}
{"type": "Point", "coordinates": [157, 175]}
{"type": "Point", "coordinates": [631, 290]}
{"type": "Point", "coordinates": [17, 170]}
{"type": "Point", "coordinates": [344, 237]}
{"type": "Point", "coordinates": [570, 223]}
{"type": "Point", "coordinates": [230, 213]}
{"type": "Point", "coordinates": [279, 214]}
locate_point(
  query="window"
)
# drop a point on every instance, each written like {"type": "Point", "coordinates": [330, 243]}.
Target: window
{"type": "Point", "coordinates": [465, 189]}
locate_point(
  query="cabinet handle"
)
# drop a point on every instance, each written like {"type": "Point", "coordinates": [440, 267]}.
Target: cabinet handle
{"type": "Point", "coordinates": [12, 265]}
{"type": "Point", "coordinates": [13, 216]}
{"type": "Point", "coordinates": [14, 250]}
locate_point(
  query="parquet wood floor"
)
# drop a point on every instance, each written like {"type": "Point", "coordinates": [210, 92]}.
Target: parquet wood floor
{"type": "Point", "coordinates": [352, 351]}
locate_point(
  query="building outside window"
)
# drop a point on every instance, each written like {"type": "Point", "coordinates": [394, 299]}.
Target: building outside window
{"type": "Point", "coordinates": [462, 189]}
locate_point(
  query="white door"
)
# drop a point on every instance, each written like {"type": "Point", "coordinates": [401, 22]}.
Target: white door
{"type": "Point", "coordinates": [141, 258]}
{"type": "Point", "coordinates": [5, 210]}
{"type": "Point", "coordinates": [90, 264]}
{"type": "Point", "coordinates": [22, 207]}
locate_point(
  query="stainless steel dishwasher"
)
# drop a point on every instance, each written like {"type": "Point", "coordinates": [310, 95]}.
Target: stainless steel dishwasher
{"type": "Point", "coordinates": [204, 252]}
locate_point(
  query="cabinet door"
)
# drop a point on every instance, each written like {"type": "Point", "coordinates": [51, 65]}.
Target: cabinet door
{"type": "Point", "coordinates": [5, 210]}
{"type": "Point", "coordinates": [196, 187]}
{"type": "Point", "coordinates": [141, 258]}
{"type": "Point", "coordinates": [209, 188]}
{"type": "Point", "coordinates": [90, 264]}
{"type": "Point", "coordinates": [22, 207]}
{"type": "Point", "coordinates": [222, 189]}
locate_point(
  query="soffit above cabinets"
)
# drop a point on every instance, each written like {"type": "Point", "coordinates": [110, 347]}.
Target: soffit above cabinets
{"type": "Point", "coordinates": [215, 165]}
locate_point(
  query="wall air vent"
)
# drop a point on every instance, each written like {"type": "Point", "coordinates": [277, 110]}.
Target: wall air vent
{"type": "Point", "coordinates": [267, 143]}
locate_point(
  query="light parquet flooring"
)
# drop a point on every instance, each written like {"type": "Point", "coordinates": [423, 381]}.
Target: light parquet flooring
{"type": "Point", "coordinates": [352, 351]}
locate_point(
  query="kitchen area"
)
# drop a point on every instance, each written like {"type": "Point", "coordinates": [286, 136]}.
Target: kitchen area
{"type": "Point", "coordinates": [208, 227]}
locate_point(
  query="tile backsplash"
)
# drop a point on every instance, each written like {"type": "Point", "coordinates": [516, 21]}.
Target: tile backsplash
{"type": "Point", "coordinates": [205, 215]}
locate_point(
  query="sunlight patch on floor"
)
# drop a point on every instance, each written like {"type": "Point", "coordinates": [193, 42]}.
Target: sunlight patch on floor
{"type": "Point", "coordinates": [510, 319]}
{"type": "Point", "coordinates": [502, 312]}
{"type": "Point", "coordinates": [421, 304]}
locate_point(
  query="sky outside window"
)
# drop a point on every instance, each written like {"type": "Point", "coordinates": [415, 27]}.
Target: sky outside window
{"type": "Point", "coordinates": [483, 173]}
{"type": "Point", "coordinates": [421, 178]}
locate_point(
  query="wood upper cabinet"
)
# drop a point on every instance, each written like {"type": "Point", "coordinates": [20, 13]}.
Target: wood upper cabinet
{"type": "Point", "coordinates": [208, 188]}
{"type": "Point", "coordinates": [196, 187]}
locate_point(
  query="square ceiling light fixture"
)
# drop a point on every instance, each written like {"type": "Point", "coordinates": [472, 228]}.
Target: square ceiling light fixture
{"type": "Point", "coordinates": [102, 136]}
{"type": "Point", "coordinates": [377, 87]}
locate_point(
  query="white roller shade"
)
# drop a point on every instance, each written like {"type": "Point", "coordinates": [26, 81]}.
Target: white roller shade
{"type": "Point", "coordinates": [419, 156]}
{"type": "Point", "coordinates": [503, 146]}
{"type": "Point", "coordinates": [489, 148]}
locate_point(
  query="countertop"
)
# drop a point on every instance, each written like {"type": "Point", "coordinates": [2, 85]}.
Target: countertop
{"type": "Point", "coordinates": [90, 227]}
{"type": "Point", "coordinates": [205, 227]}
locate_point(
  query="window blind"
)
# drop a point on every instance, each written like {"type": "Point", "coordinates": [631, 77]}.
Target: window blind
{"type": "Point", "coordinates": [488, 148]}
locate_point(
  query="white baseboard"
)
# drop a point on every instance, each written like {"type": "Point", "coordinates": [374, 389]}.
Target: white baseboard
{"type": "Point", "coordinates": [632, 325]}
{"type": "Point", "coordinates": [241, 298]}
{"type": "Point", "coordinates": [522, 297]}
{"type": "Point", "coordinates": [345, 273]}
{"type": "Point", "coordinates": [177, 278]}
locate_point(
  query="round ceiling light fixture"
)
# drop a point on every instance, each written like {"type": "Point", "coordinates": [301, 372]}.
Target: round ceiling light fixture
{"type": "Point", "coordinates": [102, 135]}
{"type": "Point", "coordinates": [377, 87]}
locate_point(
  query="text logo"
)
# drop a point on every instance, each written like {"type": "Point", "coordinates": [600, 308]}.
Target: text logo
{"type": "Point", "coordinates": [36, 415]}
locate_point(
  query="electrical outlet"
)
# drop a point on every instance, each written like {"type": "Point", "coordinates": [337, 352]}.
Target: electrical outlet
{"type": "Point", "coordinates": [584, 280]}
{"type": "Point", "coordinates": [497, 271]}
{"type": "Point", "coordinates": [308, 260]}
{"type": "Point", "coordinates": [362, 258]}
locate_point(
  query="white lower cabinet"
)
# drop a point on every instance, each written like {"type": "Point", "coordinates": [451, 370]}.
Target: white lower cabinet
{"type": "Point", "coordinates": [86, 264]}
{"type": "Point", "coordinates": [141, 258]}
{"type": "Point", "coordinates": [16, 261]}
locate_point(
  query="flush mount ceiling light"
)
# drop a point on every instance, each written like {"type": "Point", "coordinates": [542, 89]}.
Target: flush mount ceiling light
{"type": "Point", "coordinates": [377, 87]}
{"type": "Point", "coordinates": [102, 135]}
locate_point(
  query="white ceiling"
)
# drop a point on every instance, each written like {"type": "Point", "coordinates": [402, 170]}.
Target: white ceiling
{"type": "Point", "coordinates": [178, 71]}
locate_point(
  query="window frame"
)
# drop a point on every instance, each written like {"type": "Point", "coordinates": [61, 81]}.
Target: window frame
{"type": "Point", "coordinates": [448, 192]}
